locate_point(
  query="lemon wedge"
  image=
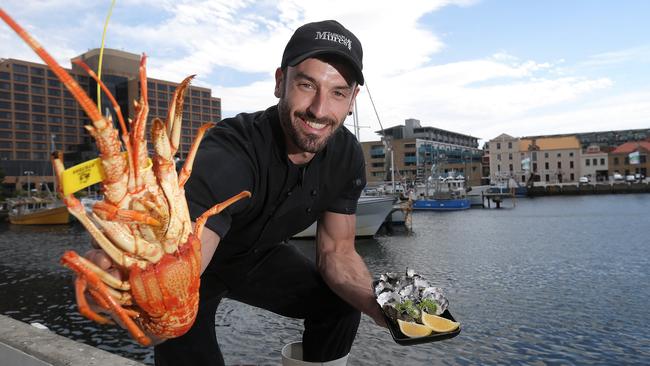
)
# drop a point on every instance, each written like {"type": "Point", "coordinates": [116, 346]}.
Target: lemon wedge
{"type": "Point", "coordinates": [413, 330]}
{"type": "Point", "coordinates": [438, 323]}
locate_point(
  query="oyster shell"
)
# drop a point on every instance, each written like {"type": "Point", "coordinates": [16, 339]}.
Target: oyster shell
{"type": "Point", "coordinates": [403, 296]}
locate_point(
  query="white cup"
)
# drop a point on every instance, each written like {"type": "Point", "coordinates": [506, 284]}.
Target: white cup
{"type": "Point", "coordinates": [292, 356]}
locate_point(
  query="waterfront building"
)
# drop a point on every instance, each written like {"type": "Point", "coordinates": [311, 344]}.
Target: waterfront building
{"type": "Point", "coordinates": [594, 164]}
{"type": "Point", "coordinates": [549, 159]}
{"type": "Point", "coordinates": [38, 114]}
{"type": "Point", "coordinates": [620, 162]}
{"type": "Point", "coordinates": [415, 149]}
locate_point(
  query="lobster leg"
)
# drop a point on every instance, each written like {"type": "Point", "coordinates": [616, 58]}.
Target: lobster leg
{"type": "Point", "coordinates": [73, 261]}
{"type": "Point", "coordinates": [187, 166]}
{"type": "Point", "coordinates": [81, 285]}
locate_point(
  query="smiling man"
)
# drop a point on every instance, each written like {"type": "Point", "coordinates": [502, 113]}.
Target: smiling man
{"type": "Point", "coordinates": [301, 167]}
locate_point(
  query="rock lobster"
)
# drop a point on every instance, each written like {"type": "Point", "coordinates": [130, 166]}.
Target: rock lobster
{"type": "Point", "coordinates": [143, 222]}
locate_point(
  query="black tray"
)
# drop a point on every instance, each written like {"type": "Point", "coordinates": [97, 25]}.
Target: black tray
{"type": "Point", "coordinates": [404, 340]}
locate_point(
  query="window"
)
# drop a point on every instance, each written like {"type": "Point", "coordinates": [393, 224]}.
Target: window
{"type": "Point", "coordinates": [510, 157]}
{"type": "Point", "coordinates": [546, 155]}
{"type": "Point", "coordinates": [36, 71]}
{"type": "Point", "coordinates": [498, 157]}
{"type": "Point", "coordinates": [20, 68]}
{"type": "Point", "coordinates": [571, 155]}
{"type": "Point", "coordinates": [4, 75]}
{"type": "Point", "coordinates": [510, 167]}
{"type": "Point", "coordinates": [21, 106]}
{"type": "Point", "coordinates": [509, 145]}
{"type": "Point", "coordinates": [559, 165]}
{"type": "Point", "coordinates": [546, 165]}
{"type": "Point", "coordinates": [602, 161]}
{"type": "Point", "coordinates": [498, 146]}
{"type": "Point", "coordinates": [547, 178]}
{"type": "Point", "coordinates": [22, 116]}
{"type": "Point", "coordinates": [498, 167]}
{"type": "Point", "coordinates": [534, 167]}
{"type": "Point", "coordinates": [616, 161]}
{"type": "Point", "coordinates": [571, 166]}
{"type": "Point", "coordinates": [21, 97]}
{"type": "Point", "coordinates": [594, 161]}
{"type": "Point", "coordinates": [572, 177]}
{"type": "Point", "coordinates": [587, 162]}
{"type": "Point", "coordinates": [21, 78]}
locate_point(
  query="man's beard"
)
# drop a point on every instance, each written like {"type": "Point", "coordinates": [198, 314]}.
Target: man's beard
{"type": "Point", "coordinates": [307, 142]}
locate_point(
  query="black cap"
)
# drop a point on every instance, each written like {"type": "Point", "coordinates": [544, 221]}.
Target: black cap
{"type": "Point", "coordinates": [326, 37]}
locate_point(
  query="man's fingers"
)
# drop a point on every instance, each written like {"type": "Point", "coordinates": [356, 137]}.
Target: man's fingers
{"type": "Point", "coordinates": [100, 258]}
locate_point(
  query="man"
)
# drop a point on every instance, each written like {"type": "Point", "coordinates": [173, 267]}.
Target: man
{"type": "Point", "coordinates": [300, 166]}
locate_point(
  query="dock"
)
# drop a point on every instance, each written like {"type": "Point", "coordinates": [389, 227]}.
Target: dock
{"type": "Point", "coordinates": [23, 344]}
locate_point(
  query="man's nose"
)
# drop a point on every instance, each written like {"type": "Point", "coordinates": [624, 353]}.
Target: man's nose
{"type": "Point", "coordinates": [318, 106]}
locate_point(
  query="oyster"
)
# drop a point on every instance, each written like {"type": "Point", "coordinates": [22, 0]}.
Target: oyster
{"type": "Point", "coordinates": [405, 296]}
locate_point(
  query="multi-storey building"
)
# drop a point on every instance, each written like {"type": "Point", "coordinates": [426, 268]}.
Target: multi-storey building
{"type": "Point", "coordinates": [594, 164]}
{"type": "Point", "coordinates": [619, 158]}
{"type": "Point", "coordinates": [549, 159]}
{"type": "Point", "coordinates": [38, 114]}
{"type": "Point", "coordinates": [566, 157]}
{"type": "Point", "coordinates": [416, 150]}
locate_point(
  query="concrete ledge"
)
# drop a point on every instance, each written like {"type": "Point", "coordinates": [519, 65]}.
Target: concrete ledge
{"type": "Point", "coordinates": [24, 345]}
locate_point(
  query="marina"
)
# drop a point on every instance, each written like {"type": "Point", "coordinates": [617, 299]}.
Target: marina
{"type": "Point", "coordinates": [555, 280]}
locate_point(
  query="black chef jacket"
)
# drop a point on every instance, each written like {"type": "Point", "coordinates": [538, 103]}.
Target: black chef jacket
{"type": "Point", "coordinates": [248, 152]}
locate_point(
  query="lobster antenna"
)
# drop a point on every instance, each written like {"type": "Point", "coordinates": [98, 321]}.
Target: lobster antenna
{"type": "Point", "coordinates": [101, 56]}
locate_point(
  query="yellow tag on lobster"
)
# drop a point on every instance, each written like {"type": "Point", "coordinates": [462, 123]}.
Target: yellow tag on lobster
{"type": "Point", "coordinates": [81, 176]}
{"type": "Point", "coordinates": [86, 174]}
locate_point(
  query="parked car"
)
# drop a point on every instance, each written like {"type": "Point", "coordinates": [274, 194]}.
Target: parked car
{"type": "Point", "coordinates": [630, 178]}
{"type": "Point", "coordinates": [617, 176]}
{"type": "Point", "coordinates": [584, 180]}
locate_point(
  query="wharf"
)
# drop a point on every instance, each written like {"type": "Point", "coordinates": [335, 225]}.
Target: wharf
{"type": "Point", "coordinates": [25, 345]}
{"type": "Point", "coordinates": [588, 188]}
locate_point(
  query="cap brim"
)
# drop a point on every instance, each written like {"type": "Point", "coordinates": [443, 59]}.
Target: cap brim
{"type": "Point", "coordinates": [356, 68]}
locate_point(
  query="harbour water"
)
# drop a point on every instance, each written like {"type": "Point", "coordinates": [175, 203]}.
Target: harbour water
{"type": "Point", "coordinates": [555, 280]}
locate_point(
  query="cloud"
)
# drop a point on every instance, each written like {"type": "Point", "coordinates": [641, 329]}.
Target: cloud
{"type": "Point", "coordinates": [482, 96]}
{"type": "Point", "coordinates": [634, 54]}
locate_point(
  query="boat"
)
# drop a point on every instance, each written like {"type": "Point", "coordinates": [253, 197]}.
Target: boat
{"type": "Point", "coordinates": [448, 195]}
{"type": "Point", "coordinates": [4, 211]}
{"type": "Point", "coordinates": [371, 213]}
{"type": "Point", "coordinates": [37, 211]}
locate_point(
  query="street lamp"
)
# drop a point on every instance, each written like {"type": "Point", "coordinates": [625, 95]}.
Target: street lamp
{"type": "Point", "coordinates": [29, 173]}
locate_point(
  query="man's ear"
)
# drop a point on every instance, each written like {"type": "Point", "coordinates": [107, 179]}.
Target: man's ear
{"type": "Point", "coordinates": [279, 76]}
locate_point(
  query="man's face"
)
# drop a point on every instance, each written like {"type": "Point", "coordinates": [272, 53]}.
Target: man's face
{"type": "Point", "coordinates": [315, 97]}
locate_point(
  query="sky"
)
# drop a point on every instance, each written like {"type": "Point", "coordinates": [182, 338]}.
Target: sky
{"type": "Point", "coordinates": [476, 67]}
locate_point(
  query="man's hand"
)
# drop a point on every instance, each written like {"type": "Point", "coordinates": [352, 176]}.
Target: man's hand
{"type": "Point", "coordinates": [103, 261]}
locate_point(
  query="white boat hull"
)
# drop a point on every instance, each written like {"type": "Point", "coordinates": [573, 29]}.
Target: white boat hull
{"type": "Point", "coordinates": [371, 213]}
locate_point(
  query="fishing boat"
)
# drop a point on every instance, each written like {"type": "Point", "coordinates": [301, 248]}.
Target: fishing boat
{"type": "Point", "coordinates": [37, 211]}
{"type": "Point", "coordinates": [371, 213]}
{"type": "Point", "coordinates": [448, 194]}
